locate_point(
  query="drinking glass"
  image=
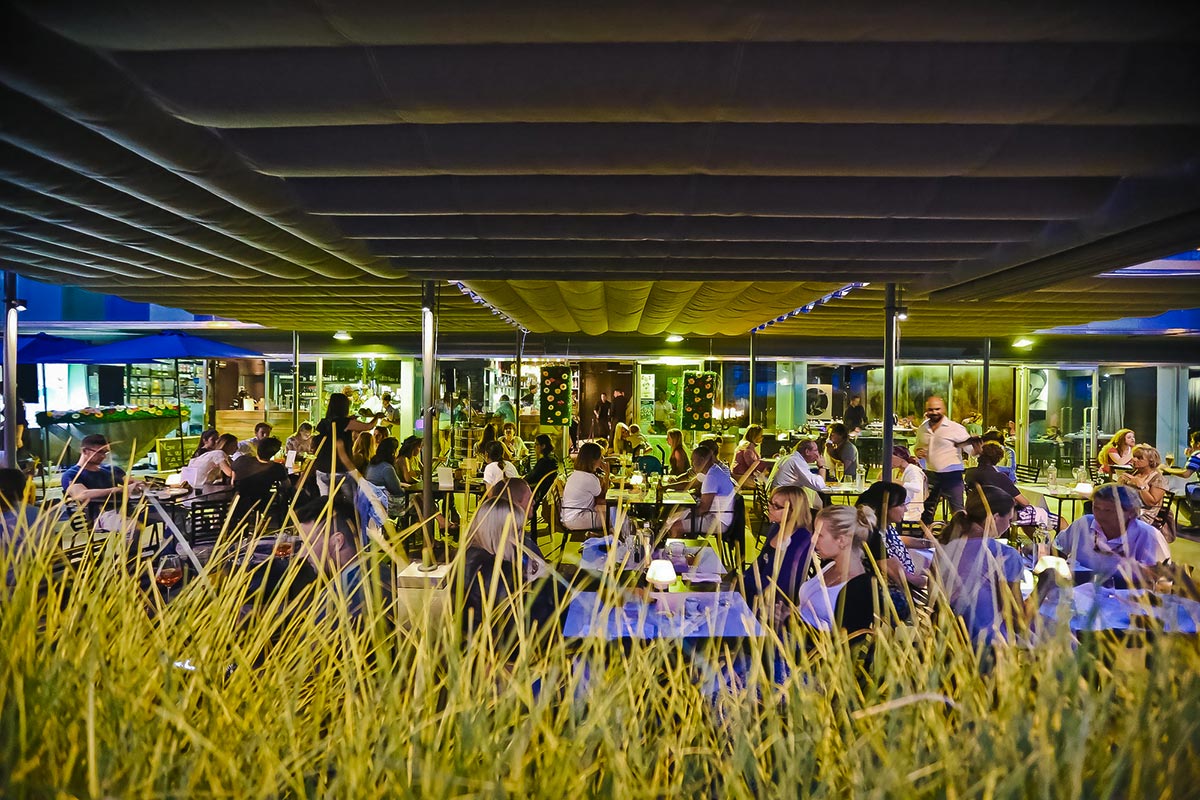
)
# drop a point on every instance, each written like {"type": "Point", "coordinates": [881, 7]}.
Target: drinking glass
{"type": "Point", "coordinates": [170, 572]}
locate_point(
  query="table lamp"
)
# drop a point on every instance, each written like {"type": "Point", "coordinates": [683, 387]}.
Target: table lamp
{"type": "Point", "coordinates": [660, 574]}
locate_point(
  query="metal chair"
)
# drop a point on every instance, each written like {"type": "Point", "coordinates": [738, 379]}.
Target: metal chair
{"type": "Point", "coordinates": [206, 520]}
{"type": "Point", "coordinates": [1028, 473]}
{"type": "Point", "coordinates": [733, 540]}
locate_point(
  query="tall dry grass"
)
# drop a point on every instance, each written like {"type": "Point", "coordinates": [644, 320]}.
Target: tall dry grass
{"type": "Point", "coordinates": [107, 692]}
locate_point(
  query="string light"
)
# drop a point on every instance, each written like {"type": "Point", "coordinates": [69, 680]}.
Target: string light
{"type": "Point", "coordinates": [808, 309]}
{"type": "Point", "coordinates": [478, 299]}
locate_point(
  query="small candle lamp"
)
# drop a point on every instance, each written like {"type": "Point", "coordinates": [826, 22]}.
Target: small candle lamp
{"type": "Point", "coordinates": [660, 574]}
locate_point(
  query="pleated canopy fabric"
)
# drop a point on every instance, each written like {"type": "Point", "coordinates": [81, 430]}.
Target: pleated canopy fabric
{"type": "Point", "coordinates": [616, 168]}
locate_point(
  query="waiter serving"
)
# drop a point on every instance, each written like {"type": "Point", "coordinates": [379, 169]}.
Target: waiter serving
{"type": "Point", "coordinates": [940, 442]}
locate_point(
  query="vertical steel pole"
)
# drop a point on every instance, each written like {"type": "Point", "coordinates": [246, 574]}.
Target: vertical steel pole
{"type": "Point", "coordinates": [428, 323]}
{"type": "Point", "coordinates": [295, 380]}
{"type": "Point", "coordinates": [987, 382]}
{"type": "Point", "coordinates": [516, 399]}
{"type": "Point", "coordinates": [10, 370]}
{"type": "Point", "coordinates": [889, 378]}
{"type": "Point", "coordinates": [750, 401]}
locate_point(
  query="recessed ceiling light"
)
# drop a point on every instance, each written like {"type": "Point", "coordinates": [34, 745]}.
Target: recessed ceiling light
{"type": "Point", "coordinates": [674, 337]}
{"type": "Point", "coordinates": [343, 336]}
{"type": "Point", "coordinates": [1023, 342]}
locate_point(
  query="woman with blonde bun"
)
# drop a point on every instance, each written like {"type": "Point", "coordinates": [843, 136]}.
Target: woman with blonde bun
{"type": "Point", "coordinates": [843, 594]}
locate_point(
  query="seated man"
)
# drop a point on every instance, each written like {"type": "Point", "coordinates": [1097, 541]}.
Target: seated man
{"type": "Point", "coordinates": [261, 483]}
{"type": "Point", "coordinates": [248, 447]}
{"type": "Point", "coordinates": [331, 549]}
{"type": "Point", "coordinates": [840, 449]}
{"type": "Point", "coordinates": [1112, 541]}
{"type": "Point", "coordinates": [796, 469]}
{"type": "Point", "coordinates": [98, 486]}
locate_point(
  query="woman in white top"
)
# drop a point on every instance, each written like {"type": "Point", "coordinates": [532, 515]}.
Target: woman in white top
{"type": "Point", "coordinates": [717, 490]}
{"type": "Point", "coordinates": [913, 478]}
{"type": "Point", "coordinates": [210, 467]}
{"type": "Point", "coordinates": [498, 467]}
{"type": "Point", "coordinates": [583, 501]}
{"type": "Point", "coordinates": [842, 594]}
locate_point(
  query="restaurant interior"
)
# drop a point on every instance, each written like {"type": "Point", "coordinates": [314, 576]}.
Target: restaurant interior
{"type": "Point", "coordinates": [745, 225]}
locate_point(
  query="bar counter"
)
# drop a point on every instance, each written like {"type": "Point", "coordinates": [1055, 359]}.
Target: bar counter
{"type": "Point", "coordinates": [241, 423]}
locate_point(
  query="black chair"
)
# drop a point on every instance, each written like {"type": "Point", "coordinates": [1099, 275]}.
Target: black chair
{"type": "Point", "coordinates": [1028, 473]}
{"type": "Point", "coordinates": [649, 465]}
{"type": "Point", "coordinates": [206, 520]}
{"type": "Point", "coordinates": [733, 540]}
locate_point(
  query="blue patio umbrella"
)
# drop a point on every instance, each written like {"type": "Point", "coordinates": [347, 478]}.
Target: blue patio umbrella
{"type": "Point", "coordinates": [164, 346]}
{"type": "Point", "coordinates": [160, 346]}
{"type": "Point", "coordinates": [46, 349]}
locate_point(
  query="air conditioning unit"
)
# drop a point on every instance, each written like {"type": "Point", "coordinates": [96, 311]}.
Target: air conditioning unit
{"type": "Point", "coordinates": [819, 402]}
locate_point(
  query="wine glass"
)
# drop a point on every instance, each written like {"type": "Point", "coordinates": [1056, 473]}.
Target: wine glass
{"type": "Point", "coordinates": [170, 572]}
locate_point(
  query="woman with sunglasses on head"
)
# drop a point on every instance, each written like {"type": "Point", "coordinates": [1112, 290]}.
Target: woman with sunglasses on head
{"type": "Point", "coordinates": [787, 553]}
{"type": "Point", "coordinates": [1146, 480]}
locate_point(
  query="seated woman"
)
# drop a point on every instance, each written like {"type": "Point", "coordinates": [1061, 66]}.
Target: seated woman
{"type": "Point", "coordinates": [986, 474]}
{"type": "Point", "coordinates": [364, 449]}
{"type": "Point", "coordinates": [1113, 541]}
{"type": "Point", "coordinates": [1008, 465]}
{"type": "Point", "coordinates": [408, 469]}
{"type": "Point", "coordinates": [500, 569]}
{"type": "Point", "coordinates": [208, 440]}
{"type": "Point", "coordinates": [498, 467]}
{"type": "Point", "coordinates": [787, 554]}
{"type": "Point", "coordinates": [485, 441]}
{"type": "Point", "coordinates": [745, 458]}
{"type": "Point", "coordinates": [583, 501]}
{"type": "Point", "coordinates": [912, 477]}
{"type": "Point", "coordinates": [1146, 480]}
{"type": "Point", "coordinates": [678, 462]}
{"type": "Point", "coordinates": [1118, 451]}
{"type": "Point", "coordinates": [888, 502]}
{"type": "Point", "coordinates": [843, 593]}
{"type": "Point", "coordinates": [214, 467]}
{"type": "Point", "coordinates": [382, 472]}
{"type": "Point", "coordinates": [714, 508]}
{"type": "Point", "coordinates": [981, 576]}
{"type": "Point", "coordinates": [301, 441]}
{"type": "Point", "coordinates": [515, 448]}
{"type": "Point", "coordinates": [545, 470]}
{"type": "Point", "coordinates": [620, 440]}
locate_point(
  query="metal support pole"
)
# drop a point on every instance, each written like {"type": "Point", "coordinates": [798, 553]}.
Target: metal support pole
{"type": "Point", "coordinates": [10, 370]}
{"type": "Point", "coordinates": [516, 399]}
{"type": "Point", "coordinates": [295, 380]}
{"type": "Point", "coordinates": [428, 323]}
{"type": "Point", "coordinates": [987, 369]}
{"type": "Point", "coordinates": [750, 401]}
{"type": "Point", "coordinates": [889, 378]}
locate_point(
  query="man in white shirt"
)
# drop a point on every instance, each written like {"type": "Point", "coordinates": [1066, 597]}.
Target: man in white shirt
{"type": "Point", "coordinates": [664, 412]}
{"type": "Point", "coordinates": [940, 442]}
{"type": "Point", "coordinates": [796, 469]}
{"type": "Point", "coordinates": [1112, 541]}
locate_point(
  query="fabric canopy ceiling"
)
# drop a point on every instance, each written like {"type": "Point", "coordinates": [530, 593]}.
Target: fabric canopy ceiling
{"type": "Point", "coordinates": [693, 168]}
